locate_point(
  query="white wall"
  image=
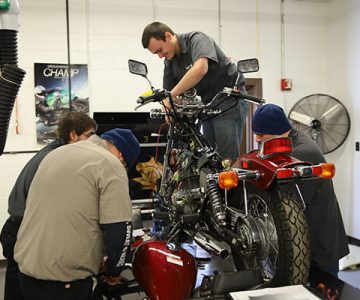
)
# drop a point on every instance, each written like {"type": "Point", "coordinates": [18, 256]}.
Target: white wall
{"type": "Point", "coordinates": [343, 75]}
{"type": "Point", "coordinates": [320, 54]}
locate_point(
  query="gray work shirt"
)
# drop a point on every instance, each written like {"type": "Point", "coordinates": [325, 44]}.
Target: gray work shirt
{"type": "Point", "coordinates": [194, 45]}
{"type": "Point", "coordinates": [76, 188]}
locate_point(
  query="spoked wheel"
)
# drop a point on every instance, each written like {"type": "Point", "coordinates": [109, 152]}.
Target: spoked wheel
{"type": "Point", "coordinates": [261, 247]}
{"type": "Point", "coordinates": [274, 237]}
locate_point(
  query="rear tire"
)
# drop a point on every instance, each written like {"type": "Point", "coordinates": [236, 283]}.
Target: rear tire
{"type": "Point", "coordinates": [282, 250]}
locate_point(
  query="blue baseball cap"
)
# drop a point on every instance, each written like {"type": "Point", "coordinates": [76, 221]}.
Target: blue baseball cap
{"type": "Point", "coordinates": [270, 119]}
{"type": "Point", "coordinates": [126, 142]}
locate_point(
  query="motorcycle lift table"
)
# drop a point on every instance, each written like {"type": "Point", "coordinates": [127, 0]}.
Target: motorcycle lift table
{"type": "Point", "coordinates": [321, 284]}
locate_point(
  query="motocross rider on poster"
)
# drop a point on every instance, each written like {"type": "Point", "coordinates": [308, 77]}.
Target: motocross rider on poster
{"type": "Point", "coordinates": [52, 99]}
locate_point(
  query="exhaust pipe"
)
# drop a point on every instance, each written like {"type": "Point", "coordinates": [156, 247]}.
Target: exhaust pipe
{"type": "Point", "coordinates": [211, 245]}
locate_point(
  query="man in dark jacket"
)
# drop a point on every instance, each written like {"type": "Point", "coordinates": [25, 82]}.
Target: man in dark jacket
{"type": "Point", "coordinates": [327, 232]}
{"type": "Point", "coordinates": [73, 127]}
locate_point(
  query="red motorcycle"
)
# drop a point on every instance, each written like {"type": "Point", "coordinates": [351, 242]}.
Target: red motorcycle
{"type": "Point", "coordinates": [250, 210]}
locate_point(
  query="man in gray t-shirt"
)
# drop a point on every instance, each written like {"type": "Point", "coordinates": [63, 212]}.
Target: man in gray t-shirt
{"type": "Point", "coordinates": [194, 60]}
{"type": "Point", "coordinates": [73, 127]}
{"type": "Point", "coordinates": [78, 210]}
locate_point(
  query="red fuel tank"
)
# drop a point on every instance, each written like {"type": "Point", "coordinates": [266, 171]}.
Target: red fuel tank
{"type": "Point", "coordinates": [162, 273]}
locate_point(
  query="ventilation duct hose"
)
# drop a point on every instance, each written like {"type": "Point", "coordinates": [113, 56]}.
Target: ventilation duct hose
{"type": "Point", "coordinates": [10, 75]}
{"type": "Point", "coordinates": [8, 47]}
{"type": "Point", "coordinates": [10, 80]}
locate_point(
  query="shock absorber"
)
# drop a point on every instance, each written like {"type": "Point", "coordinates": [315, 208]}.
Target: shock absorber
{"type": "Point", "coordinates": [216, 201]}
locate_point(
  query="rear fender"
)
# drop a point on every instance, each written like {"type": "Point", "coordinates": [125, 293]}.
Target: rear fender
{"type": "Point", "coordinates": [267, 167]}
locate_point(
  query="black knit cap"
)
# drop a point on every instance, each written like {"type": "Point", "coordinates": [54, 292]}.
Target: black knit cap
{"type": "Point", "coordinates": [270, 119]}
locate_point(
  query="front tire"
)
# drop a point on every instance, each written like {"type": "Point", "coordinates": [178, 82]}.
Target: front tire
{"type": "Point", "coordinates": [275, 235]}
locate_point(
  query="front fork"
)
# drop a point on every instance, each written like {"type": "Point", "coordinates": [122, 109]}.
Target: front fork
{"type": "Point", "coordinates": [165, 177]}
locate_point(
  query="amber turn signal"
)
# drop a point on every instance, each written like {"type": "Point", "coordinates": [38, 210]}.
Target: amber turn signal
{"type": "Point", "coordinates": [328, 170]}
{"type": "Point", "coordinates": [228, 180]}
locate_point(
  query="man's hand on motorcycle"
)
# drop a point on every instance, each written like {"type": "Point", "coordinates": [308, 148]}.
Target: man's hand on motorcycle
{"type": "Point", "coordinates": [114, 280]}
{"type": "Point", "coordinates": [110, 280]}
{"type": "Point", "coordinates": [167, 107]}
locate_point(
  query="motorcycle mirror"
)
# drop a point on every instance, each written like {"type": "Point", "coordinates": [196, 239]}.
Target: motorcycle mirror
{"type": "Point", "coordinates": [137, 67]}
{"type": "Point", "coordinates": [248, 65]}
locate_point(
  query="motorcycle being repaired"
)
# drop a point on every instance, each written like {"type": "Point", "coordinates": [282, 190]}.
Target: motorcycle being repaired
{"type": "Point", "coordinates": [253, 205]}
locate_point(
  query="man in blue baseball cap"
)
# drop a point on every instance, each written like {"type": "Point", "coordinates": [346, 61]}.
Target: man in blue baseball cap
{"type": "Point", "coordinates": [125, 142]}
{"type": "Point", "coordinates": [327, 232]}
{"type": "Point", "coordinates": [78, 203]}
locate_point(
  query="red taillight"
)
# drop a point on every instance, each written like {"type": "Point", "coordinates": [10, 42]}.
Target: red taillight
{"type": "Point", "coordinates": [276, 145]}
{"type": "Point", "coordinates": [325, 170]}
{"type": "Point", "coordinates": [284, 173]}
{"type": "Point", "coordinates": [228, 180]}
{"type": "Point", "coordinates": [317, 170]}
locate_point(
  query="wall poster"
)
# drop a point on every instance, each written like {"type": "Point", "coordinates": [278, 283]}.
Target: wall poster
{"type": "Point", "coordinates": [52, 96]}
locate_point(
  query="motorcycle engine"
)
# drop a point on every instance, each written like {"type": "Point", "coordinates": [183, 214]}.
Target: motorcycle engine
{"type": "Point", "coordinates": [187, 194]}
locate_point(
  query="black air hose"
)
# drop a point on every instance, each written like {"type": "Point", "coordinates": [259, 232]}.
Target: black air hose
{"type": "Point", "coordinates": [8, 47]}
{"type": "Point", "coordinates": [10, 80]}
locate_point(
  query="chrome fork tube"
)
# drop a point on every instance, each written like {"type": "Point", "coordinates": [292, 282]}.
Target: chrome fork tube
{"type": "Point", "coordinates": [245, 198]}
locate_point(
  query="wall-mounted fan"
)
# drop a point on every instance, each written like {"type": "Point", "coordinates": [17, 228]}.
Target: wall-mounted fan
{"type": "Point", "coordinates": [323, 118]}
